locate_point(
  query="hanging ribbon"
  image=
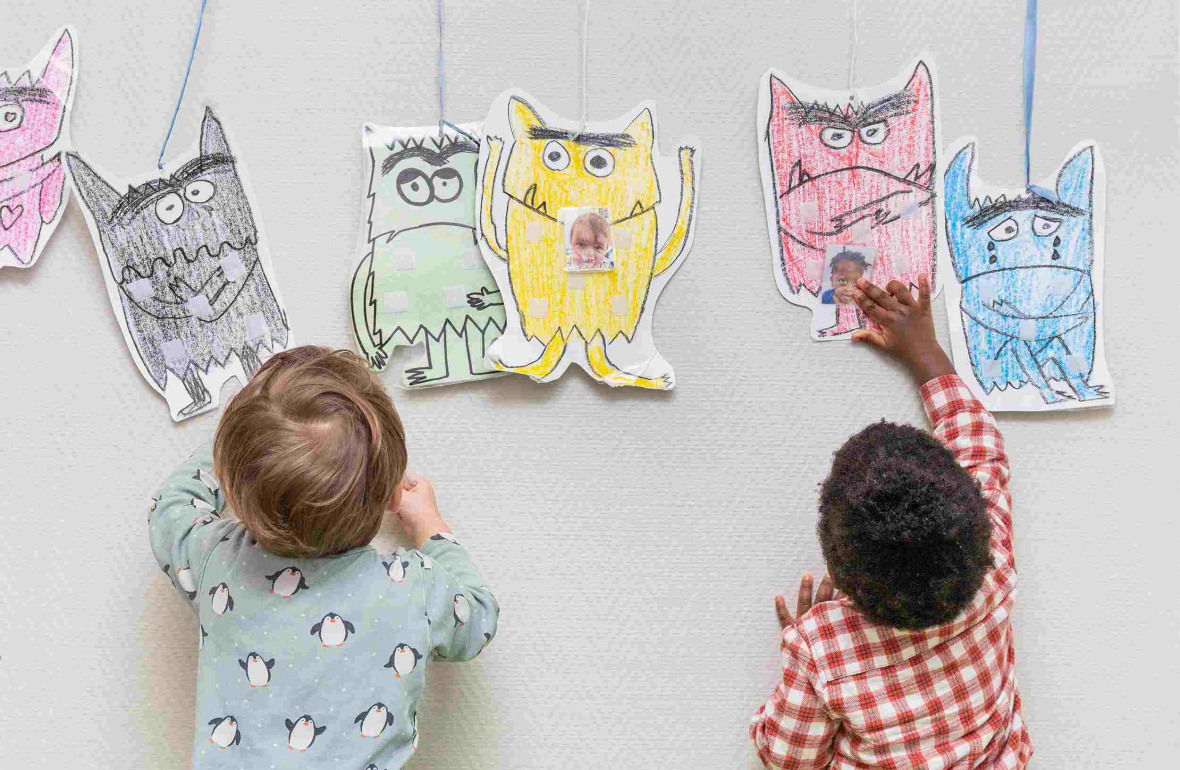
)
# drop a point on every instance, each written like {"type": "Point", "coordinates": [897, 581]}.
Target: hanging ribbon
{"type": "Point", "coordinates": [852, 57]}
{"type": "Point", "coordinates": [187, 70]}
{"type": "Point", "coordinates": [1030, 76]}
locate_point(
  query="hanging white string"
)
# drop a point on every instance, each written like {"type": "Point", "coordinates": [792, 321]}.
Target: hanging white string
{"type": "Point", "coordinates": [442, 71]}
{"type": "Point", "coordinates": [585, 81]}
{"type": "Point", "coordinates": [855, 44]}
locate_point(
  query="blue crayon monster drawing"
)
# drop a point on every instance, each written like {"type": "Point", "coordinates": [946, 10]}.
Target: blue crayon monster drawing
{"type": "Point", "coordinates": [1024, 264]}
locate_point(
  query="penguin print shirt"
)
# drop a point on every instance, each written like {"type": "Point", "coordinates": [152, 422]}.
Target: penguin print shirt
{"type": "Point", "coordinates": [310, 662]}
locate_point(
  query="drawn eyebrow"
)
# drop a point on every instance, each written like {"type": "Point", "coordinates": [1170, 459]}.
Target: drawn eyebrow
{"type": "Point", "coordinates": [433, 157]}
{"type": "Point", "coordinates": [891, 106]}
{"type": "Point", "coordinates": [1025, 203]}
{"type": "Point", "coordinates": [139, 197]}
{"type": "Point", "coordinates": [598, 140]}
{"type": "Point", "coordinates": [28, 94]}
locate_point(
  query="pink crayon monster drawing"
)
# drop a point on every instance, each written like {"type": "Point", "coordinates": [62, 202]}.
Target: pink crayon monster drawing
{"type": "Point", "coordinates": [32, 188]}
{"type": "Point", "coordinates": [859, 172]}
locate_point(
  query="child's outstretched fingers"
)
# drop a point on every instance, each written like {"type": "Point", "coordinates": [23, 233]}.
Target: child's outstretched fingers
{"type": "Point", "coordinates": [784, 615]}
{"type": "Point", "coordinates": [870, 307]}
{"type": "Point", "coordinates": [868, 337]}
{"type": "Point", "coordinates": [924, 291]}
{"type": "Point", "coordinates": [901, 293]}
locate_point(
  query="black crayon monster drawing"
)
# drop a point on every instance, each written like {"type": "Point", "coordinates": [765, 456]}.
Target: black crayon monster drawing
{"type": "Point", "coordinates": [187, 272]}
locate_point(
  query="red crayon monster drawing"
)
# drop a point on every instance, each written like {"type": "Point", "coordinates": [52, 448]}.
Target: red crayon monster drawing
{"type": "Point", "coordinates": [32, 189]}
{"type": "Point", "coordinates": [837, 172]}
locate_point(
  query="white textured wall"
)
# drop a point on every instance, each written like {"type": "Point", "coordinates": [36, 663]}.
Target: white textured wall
{"type": "Point", "coordinates": [635, 540]}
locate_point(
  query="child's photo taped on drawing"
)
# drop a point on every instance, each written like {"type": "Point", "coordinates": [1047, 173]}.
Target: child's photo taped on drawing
{"type": "Point", "coordinates": [845, 264]}
{"type": "Point", "coordinates": [589, 245]}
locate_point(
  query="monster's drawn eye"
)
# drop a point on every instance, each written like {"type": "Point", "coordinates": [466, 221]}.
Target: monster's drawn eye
{"type": "Point", "coordinates": [836, 137]}
{"type": "Point", "coordinates": [1045, 225]}
{"type": "Point", "coordinates": [414, 187]}
{"type": "Point", "coordinates": [874, 133]}
{"type": "Point", "coordinates": [600, 162]}
{"type": "Point", "coordinates": [556, 157]}
{"type": "Point", "coordinates": [200, 191]}
{"type": "Point", "coordinates": [447, 183]}
{"type": "Point", "coordinates": [1005, 231]}
{"type": "Point", "coordinates": [169, 208]}
{"type": "Point", "coordinates": [11, 116]}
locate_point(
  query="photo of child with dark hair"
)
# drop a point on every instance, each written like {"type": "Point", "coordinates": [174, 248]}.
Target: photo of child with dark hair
{"type": "Point", "coordinates": [845, 267]}
{"type": "Point", "coordinates": [836, 314]}
{"type": "Point", "coordinates": [588, 243]}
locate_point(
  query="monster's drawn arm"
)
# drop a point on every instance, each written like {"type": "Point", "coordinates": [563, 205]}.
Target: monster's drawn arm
{"type": "Point", "coordinates": [364, 315]}
{"type": "Point", "coordinates": [51, 189]}
{"type": "Point", "coordinates": [479, 299]}
{"type": "Point", "coordinates": [495, 150]}
{"type": "Point", "coordinates": [688, 188]}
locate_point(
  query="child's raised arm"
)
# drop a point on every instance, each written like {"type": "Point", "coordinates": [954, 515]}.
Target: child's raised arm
{"type": "Point", "coordinates": [185, 523]}
{"type": "Point", "coordinates": [960, 422]}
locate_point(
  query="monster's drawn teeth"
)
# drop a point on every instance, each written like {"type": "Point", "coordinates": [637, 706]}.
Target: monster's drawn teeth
{"type": "Point", "coordinates": [530, 197]}
{"type": "Point", "coordinates": [636, 209]}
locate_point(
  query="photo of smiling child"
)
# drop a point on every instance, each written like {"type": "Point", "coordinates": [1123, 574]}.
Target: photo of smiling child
{"type": "Point", "coordinates": [588, 243]}
{"type": "Point", "coordinates": [837, 312]}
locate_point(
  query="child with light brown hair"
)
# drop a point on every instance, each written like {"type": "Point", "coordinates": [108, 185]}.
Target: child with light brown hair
{"type": "Point", "coordinates": [313, 644]}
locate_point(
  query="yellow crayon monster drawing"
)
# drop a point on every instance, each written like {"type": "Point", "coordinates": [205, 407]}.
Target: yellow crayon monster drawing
{"type": "Point", "coordinates": [601, 319]}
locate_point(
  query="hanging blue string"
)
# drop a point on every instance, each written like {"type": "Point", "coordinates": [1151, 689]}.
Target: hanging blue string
{"type": "Point", "coordinates": [1030, 76]}
{"type": "Point", "coordinates": [180, 99]}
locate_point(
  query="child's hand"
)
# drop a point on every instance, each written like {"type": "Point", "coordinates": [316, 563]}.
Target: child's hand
{"type": "Point", "coordinates": [825, 593]}
{"type": "Point", "coordinates": [907, 327]}
{"type": "Point", "coordinates": [418, 510]}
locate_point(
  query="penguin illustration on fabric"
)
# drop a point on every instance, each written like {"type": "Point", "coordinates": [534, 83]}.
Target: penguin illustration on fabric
{"type": "Point", "coordinates": [487, 639]}
{"type": "Point", "coordinates": [462, 609]}
{"type": "Point", "coordinates": [208, 479]}
{"type": "Point", "coordinates": [447, 536]}
{"type": "Point", "coordinates": [426, 562]}
{"type": "Point", "coordinates": [202, 506]}
{"type": "Point", "coordinates": [374, 720]}
{"type": "Point", "coordinates": [333, 630]}
{"type": "Point", "coordinates": [396, 569]}
{"type": "Point", "coordinates": [225, 732]}
{"type": "Point", "coordinates": [201, 639]}
{"type": "Point", "coordinates": [186, 581]}
{"type": "Point", "coordinates": [302, 732]}
{"type": "Point", "coordinates": [222, 601]}
{"type": "Point", "coordinates": [257, 670]}
{"type": "Point", "coordinates": [152, 508]}
{"type": "Point", "coordinates": [403, 660]}
{"type": "Point", "coordinates": [287, 582]}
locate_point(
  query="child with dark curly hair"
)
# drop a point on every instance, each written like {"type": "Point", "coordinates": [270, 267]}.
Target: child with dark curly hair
{"type": "Point", "coordinates": [903, 657]}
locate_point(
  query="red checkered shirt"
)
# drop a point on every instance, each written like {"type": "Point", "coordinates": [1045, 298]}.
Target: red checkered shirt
{"type": "Point", "coordinates": [859, 694]}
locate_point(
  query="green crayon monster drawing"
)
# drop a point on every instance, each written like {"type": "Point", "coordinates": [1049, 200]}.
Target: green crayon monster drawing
{"type": "Point", "coordinates": [423, 279]}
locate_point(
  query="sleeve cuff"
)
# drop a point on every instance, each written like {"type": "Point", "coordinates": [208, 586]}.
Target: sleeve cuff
{"type": "Point", "coordinates": [946, 395]}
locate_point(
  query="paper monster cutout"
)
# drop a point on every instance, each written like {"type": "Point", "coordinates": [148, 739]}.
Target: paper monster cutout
{"type": "Point", "coordinates": [601, 320]}
{"type": "Point", "coordinates": [187, 272]}
{"type": "Point", "coordinates": [422, 279]}
{"type": "Point", "coordinates": [1026, 311]}
{"type": "Point", "coordinates": [860, 173]}
{"type": "Point", "coordinates": [33, 116]}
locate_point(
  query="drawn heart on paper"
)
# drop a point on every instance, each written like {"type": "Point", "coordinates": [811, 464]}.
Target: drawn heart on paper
{"type": "Point", "coordinates": [9, 215]}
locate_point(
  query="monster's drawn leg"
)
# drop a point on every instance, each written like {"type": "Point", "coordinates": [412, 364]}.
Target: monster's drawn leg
{"type": "Point", "coordinates": [477, 341]}
{"type": "Point", "coordinates": [1057, 352]}
{"type": "Point", "coordinates": [606, 371]}
{"type": "Point", "coordinates": [1028, 362]}
{"type": "Point", "coordinates": [437, 366]}
{"type": "Point", "coordinates": [848, 319]}
{"type": "Point", "coordinates": [249, 358]}
{"type": "Point", "coordinates": [544, 364]}
{"type": "Point", "coordinates": [196, 391]}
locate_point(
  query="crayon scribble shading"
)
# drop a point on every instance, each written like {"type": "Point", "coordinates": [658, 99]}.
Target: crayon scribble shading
{"type": "Point", "coordinates": [32, 119]}
{"type": "Point", "coordinates": [1027, 305]}
{"type": "Point", "coordinates": [187, 271]}
{"type": "Point", "coordinates": [848, 172]}
{"type": "Point", "coordinates": [601, 319]}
